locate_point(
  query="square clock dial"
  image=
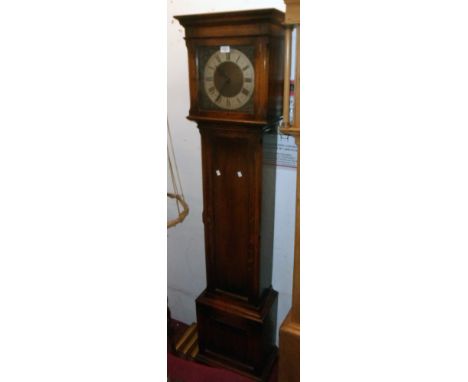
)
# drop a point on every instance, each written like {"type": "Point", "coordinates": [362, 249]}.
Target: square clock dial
{"type": "Point", "coordinates": [226, 78]}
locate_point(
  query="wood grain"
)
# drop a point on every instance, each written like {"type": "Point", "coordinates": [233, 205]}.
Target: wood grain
{"type": "Point", "coordinates": [236, 313]}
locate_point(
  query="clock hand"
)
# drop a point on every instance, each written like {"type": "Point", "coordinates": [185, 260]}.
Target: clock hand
{"type": "Point", "coordinates": [222, 88]}
{"type": "Point", "coordinates": [223, 74]}
{"type": "Point", "coordinates": [226, 82]}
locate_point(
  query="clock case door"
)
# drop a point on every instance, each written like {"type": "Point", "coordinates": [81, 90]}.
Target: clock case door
{"type": "Point", "coordinates": [239, 203]}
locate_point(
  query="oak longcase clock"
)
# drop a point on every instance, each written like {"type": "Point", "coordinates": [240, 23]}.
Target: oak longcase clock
{"type": "Point", "coordinates": [235, 62]}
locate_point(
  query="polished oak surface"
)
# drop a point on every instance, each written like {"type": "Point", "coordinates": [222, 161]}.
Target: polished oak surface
{"type": "Point", "coordinates": [260, 29]}
{"type": "Point", "coordinates": [237, 311]}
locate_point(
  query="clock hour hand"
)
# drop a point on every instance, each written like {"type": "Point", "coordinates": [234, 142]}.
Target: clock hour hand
{"type": "Point", "coordinates": [223, 74]}
{"type": "Point", "coordinates": [226, 82]}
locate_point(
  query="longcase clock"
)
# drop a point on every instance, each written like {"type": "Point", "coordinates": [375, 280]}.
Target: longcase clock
{"type": "Point", "coordinates": [235, 64]}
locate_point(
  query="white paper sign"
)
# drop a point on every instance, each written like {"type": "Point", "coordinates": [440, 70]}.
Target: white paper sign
{"type": "Point", "coordinates": [279, 150]}
{"type": "Point", "coordinates": [225, 48]}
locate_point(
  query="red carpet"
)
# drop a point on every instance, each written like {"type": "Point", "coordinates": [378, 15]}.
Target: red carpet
{"type": "Point", "coordinates": [180, 370]}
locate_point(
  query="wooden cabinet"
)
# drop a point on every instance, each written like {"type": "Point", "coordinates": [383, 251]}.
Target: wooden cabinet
{"type": "Point", "coordinates": [236, 76]}
{"type": "Point", "coordinates": [237, 312]}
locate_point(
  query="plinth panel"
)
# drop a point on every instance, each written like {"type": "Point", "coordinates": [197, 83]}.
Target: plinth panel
{"type": "Point", "coordinates": [237, 336]}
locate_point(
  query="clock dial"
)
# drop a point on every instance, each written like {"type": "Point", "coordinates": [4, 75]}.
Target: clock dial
{"type": "Point", "coordinates": [228, 79]}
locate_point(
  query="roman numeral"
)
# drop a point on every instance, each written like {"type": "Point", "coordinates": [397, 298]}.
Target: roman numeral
{"type": "Point", "coordinates": [211, 90]}
{"type": "Point", "coordinates": [245, 67]}
{"type": "Point", "coordinates": [208, 78]}
{"type": "Point", "coordinates": [218, 58]}
{"type": "Point", "coordinates": [228, 103]}
{"type": "Point", "coordinates": [228, 56]}
{"type": "Point", "coordinates": [245, 91]}
{"type": "Point", "coordinates": [219, 98]}
{"type": "Point", "coordinates": [238, 100]}
{"type": "Point", "coordinates": [248, 80]}
{"type": "Point", "coordinates": [237, 59]}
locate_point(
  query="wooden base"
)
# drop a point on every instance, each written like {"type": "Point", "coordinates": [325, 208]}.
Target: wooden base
{"type": "Point", "coordinates": [218, 361]}
{"type": "Point", "coordinates": [289, 357]}
{"type": "Point", "coordinates": [236, 335]}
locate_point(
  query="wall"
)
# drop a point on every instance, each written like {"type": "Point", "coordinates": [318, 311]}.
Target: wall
{"type": "Point", "coordinates": [185, 243]}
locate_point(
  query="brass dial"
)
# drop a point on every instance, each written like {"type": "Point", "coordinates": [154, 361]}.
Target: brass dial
{"type": "Point", "coordinates": [228, 79]}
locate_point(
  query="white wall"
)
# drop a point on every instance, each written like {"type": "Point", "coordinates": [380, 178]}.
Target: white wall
{"type": "Point", "coordinates": [185, 246]}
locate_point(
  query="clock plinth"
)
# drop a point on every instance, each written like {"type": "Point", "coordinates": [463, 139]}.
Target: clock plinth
{"type": "Point", "coordinates": [237, 335]}
{"type": "Point", "coordinates": [236, 77]}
